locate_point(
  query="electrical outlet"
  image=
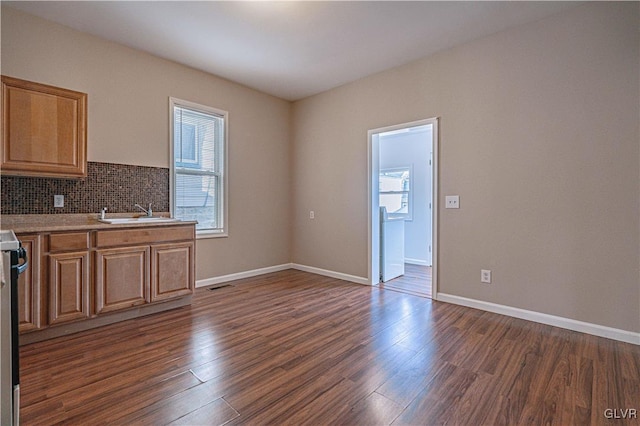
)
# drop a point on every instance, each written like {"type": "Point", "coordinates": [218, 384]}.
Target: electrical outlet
{"type": "Point", "coordinates": [485, 276]}
{"type": "Point", "coordinates": [58, 201]}
{"type": "Point", "coordinates": [312, 214]}
{"type": "Point", "coordinates": [452, 202]}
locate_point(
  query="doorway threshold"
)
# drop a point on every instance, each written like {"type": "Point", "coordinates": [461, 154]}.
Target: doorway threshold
{"type": "Point", "coordinates": [415, 281]}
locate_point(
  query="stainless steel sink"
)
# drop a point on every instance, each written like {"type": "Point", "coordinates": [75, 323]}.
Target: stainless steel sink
{"type": "Point", "coordinates": [141, 219]}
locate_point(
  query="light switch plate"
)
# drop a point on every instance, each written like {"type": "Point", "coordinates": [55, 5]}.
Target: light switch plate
{"type": "Point", "coordinates": [58, 201]}
{"type": "Point", "coordinates": [452, 202]}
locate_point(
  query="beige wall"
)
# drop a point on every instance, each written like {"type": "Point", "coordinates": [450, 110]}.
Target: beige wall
{"type": "Point", "coordinates": [538, 135]}
{"type": "Point", "coordinates": [129, 122]}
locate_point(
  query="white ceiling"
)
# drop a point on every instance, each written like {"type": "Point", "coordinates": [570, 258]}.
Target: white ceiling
{"type": "Point", "coordinates": [291, 49]}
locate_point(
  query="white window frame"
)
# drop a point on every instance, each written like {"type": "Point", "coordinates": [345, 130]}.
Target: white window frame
{"type": "Point", "coordinates": [409, 215]}
{"type": "Point", "coordinates": [223, 205]}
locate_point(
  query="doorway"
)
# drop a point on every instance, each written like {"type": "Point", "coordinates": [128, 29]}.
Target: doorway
{"type": "Point", "coordinates": [403, 181]}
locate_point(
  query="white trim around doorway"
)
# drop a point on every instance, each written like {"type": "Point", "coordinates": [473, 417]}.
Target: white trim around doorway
{"type": "Point", "coordinates": [373, 202]}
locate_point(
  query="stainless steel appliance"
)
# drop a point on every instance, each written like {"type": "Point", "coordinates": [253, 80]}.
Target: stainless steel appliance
{"type": "Point", "coordinates": [12, 253]}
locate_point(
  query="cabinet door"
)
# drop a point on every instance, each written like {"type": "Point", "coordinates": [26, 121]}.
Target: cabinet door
{"type": "Point", "coordinates": [172, 270]}
{"type": "Point", "coordinates": [29, 294]}
{"type": "Point", "coordinates": [122, 278]}
{"type": "Point", "coordinates": [43, 130]}
{"type": "Point", "coordinates": [68, 287]}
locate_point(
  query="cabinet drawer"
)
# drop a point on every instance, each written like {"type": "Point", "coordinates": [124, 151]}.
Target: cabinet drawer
{"type": "Point", "coordinates": [119, 237]}
{"type": "Point", "coordinates": [69, 241]}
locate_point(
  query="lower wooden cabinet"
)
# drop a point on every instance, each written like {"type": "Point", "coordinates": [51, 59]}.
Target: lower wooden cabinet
{"type": "Point", "coordinates": [80, 275]}
{"type": "Point", "coordinates": [29, 287]}
{"type": "Point", "coordinates": [122, 278]}
{"type": "Point", "coordinates": [143, 265]}
{"type": "Point", "coordinates": [68, 287]}
{"type": "Point", "coordinates": [172, 270]}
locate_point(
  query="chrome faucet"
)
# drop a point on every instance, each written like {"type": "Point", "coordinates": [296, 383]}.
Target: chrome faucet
{"type": "Point", "coordinates": [149, 212]}
{"type": "Point", "coordinates": [103, 213]}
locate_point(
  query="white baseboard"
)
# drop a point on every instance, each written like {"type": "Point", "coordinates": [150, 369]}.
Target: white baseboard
{"type": "Point", "coordinates": [255, 272]}
{"type": "Point", "coordinates": [570, 324]}
{"type": "Point", "coordinates": [332, 274]}
{"type": "Point", "coordinates": [419, 262]}
{"type": "Point", "coordinates": [240, 275]}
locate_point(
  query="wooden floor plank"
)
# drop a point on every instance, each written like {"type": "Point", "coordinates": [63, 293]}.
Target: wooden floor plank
{"type": "Point", "coordinates": [439, 400]}
{"type": "Point", "coordinates": [297, 348]}
{"type": "Point", "coordinates": [173, 408]}
{"type": "Point", "coordinates": [375, 409]}
{"type": "Point", "coordinates": [96, 405]}
{"type": "Point", "coordinates": [415, 281]}
{"type": "Point", "coordinates": [217, 412]}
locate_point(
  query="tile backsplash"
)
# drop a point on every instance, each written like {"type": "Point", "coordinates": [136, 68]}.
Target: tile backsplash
{"type": "Point", "coordinates": [114, 186]}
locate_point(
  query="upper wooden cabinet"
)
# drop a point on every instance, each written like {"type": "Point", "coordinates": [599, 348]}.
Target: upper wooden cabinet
{"type": "Point", "coordinates": [44, 130]}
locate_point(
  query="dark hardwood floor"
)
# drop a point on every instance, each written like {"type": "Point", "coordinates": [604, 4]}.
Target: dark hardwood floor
{"type": "Point", "coordinates": [297, 348]}
{"type": "Point", "coordinates": [416, 280]}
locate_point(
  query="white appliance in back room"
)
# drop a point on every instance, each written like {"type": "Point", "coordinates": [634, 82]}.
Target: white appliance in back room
{"type": "Point", "coordinates": [391, 246]}
{"type": "Point", "coordinates": [10, 268]}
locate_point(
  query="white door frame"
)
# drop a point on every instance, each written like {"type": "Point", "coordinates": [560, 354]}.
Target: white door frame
{"type": "Point", "coordinates": [373, 147]}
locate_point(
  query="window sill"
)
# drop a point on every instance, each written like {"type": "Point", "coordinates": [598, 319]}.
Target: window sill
{"type": "Point", "coordinates": [201, 235]}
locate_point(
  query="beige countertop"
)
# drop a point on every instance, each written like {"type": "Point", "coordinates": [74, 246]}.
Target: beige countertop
{"type": "Point", "coordinates": [69, 222]}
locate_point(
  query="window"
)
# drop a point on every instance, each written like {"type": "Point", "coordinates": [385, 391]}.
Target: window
{"type": "Point", "coordinates": [395, 192]}
{"type": "Point", "coordinates": [198, 172]}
